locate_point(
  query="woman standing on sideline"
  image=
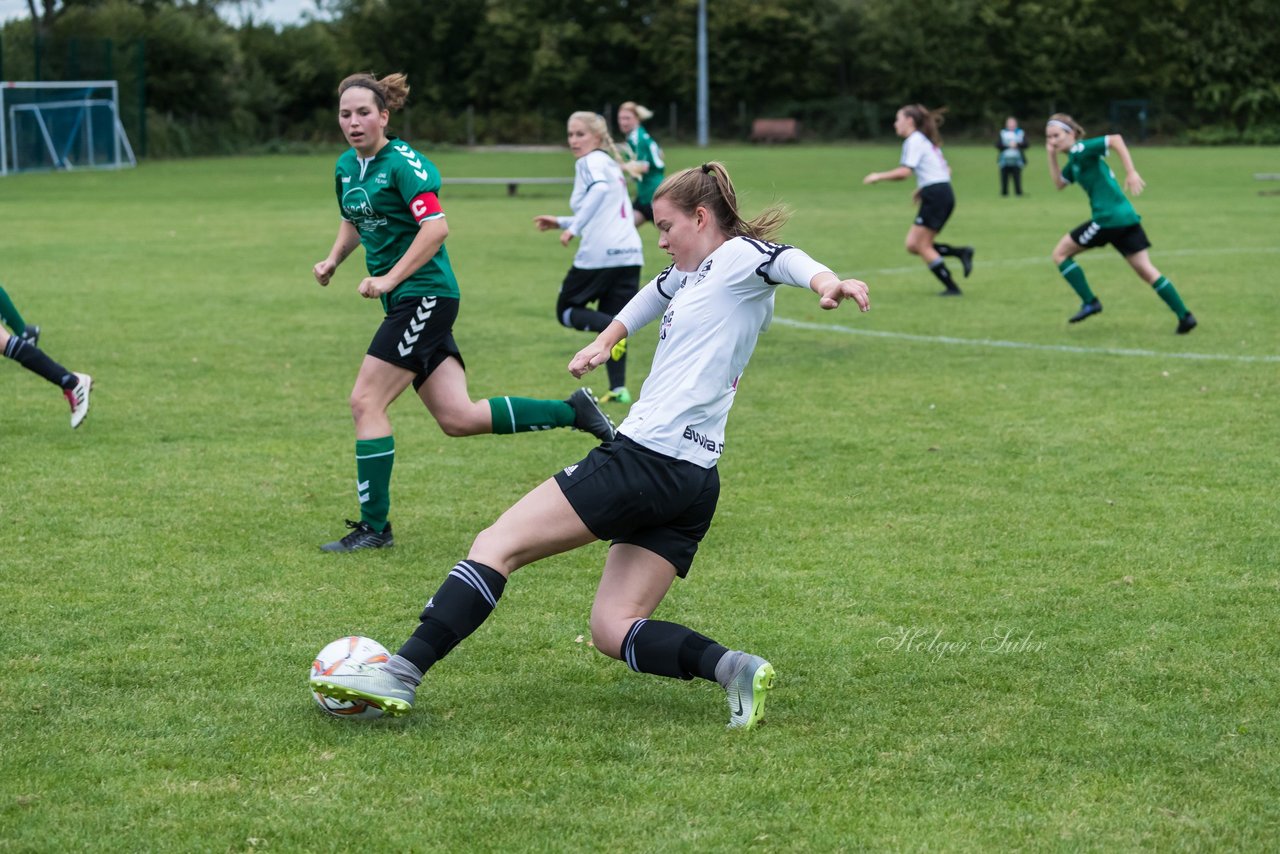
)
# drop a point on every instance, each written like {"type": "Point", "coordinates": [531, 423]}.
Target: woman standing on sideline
{"type": "Point", "coordinates": [922, 155]}
{"type": "Point", "coordinates": [388, 198]}
{"type": "Point", "coordinates": [1113, 220]}
{"type": "Point", "coordinates": [606, 267]}
{"type": "Point", "coordinates": [644, 162]}
{"type": "Point", "coordinates": [1011, 144]}
{"type": "Point", "coordinates": [653, 490]}
{"type": "Point", "coordinates": [21, 347]}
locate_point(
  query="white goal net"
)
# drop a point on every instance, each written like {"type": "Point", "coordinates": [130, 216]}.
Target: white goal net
{"type": "Point", "coordinates": [73, 124]}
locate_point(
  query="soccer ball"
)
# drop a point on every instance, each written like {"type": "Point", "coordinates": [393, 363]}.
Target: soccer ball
{"type": "Point", "coordinates": [336, 657]}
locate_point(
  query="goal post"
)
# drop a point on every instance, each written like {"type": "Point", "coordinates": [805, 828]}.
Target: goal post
{"type": "Point", "coordinates": [73, 124]}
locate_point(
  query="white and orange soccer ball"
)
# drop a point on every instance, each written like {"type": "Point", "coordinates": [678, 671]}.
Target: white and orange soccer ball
{"type": "Point", "coordinates": [343, 653]}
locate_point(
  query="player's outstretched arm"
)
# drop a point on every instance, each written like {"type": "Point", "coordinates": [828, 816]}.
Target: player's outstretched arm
{"type": "Point", "coordinates": [892, 175]}
{"type": "Point", "coordinates": [597, 352]}
{"type": "Point", "coordinates": [833, 290]}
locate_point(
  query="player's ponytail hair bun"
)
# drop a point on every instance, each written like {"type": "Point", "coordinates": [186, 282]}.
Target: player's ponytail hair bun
{"type": "Point", "coordinates": [642, 113]}
{"type": "Point", "coordinates": [927, 121]}
{"type": "Point", "coordinates": [709, 186]}
{"type": "Point", "coordinates": [390, 92]}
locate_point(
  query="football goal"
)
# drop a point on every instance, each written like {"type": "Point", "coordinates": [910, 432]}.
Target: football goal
{"type": "Point", "coordinates": [72, 124]}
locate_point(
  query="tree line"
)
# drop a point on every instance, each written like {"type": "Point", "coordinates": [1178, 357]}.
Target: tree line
{"type": "Point", "coordinates": [495, 71]}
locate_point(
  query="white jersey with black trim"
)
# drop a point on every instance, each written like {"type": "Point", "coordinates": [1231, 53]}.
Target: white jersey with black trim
{"type": "Point", "coordinates": [711, 320]}
{"type": "Point", "coordinates": [602, 215]}
{"type": "Point", "coordinates": [921, 156]}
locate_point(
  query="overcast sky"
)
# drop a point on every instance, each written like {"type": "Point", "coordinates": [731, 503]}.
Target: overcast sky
{"type": "Point", "coordinates": [277, 11]}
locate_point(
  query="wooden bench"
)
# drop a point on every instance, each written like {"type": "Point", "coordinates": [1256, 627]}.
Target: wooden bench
{"type": "Point", "coordinates": [512, 183]}
{"type": "Point", "coordinates": [775, 130]}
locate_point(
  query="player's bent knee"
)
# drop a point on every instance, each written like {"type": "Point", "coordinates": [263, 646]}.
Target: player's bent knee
{"type": "Point", "coordinates": [607, 635]}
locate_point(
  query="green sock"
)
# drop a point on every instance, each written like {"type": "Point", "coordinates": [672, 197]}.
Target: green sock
{"type": "Point", "coordinates": [9, 314]}
{"type": "Point", "coordinates": [374, 459]}
{"type": "Point", "coordinates": [1167, 292]}
{"type": "Point", "coordinates": [524, 414]}
{"type": "Point", "coordinates": [1071, 271]}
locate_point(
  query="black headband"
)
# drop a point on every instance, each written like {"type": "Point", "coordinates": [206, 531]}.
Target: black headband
{"type": "Point", "coordinates": [372, 87]}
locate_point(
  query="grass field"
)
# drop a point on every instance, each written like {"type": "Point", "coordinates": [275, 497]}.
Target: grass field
{"type": "Point", "coordinates": [1018, 578]}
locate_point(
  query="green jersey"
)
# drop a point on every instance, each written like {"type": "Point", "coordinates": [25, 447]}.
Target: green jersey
{"type": "Point", "coordinates": [1086, 167]}
{"type": "Point", "coordinates": [644, 149]}
{"type": "Point", "coordinates": [387, 197]}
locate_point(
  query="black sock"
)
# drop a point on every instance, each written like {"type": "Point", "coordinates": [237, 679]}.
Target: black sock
{"type": "Point", "coordinates": [465, 599]}
{"type": "Point", "coordinates": [939, 269]}
{"type": "Point", "coordinates": [33, 359]}
{"type": "Point", "coordinates": [669, 649]}
{"type": "Point", "coordinates": [585, 319]}
{"type": "Point", "coordinates": [945, 249]}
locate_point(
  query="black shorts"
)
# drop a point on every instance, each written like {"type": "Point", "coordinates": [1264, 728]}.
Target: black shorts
{"type": "Point", "coordinates": [610, 288]}
{"type": "Point", "coordinates": [417, 335]}
{"type": "Point", "coordinates": [1127, 239]}
{"type": "Point", "coordinates": [937, 201]}
{"type": "Point", "coordinates": [645, 209]}
{"type": "Point", "coordinates": [626, 493]}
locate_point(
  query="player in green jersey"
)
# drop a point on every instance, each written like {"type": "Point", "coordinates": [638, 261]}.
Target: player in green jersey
{"type": "Point", "coordinates": [644, 162]}
{"type": "Point", "coordinates": [388, 198]}
{"type": "Point", "coordinates": [1113, 221]}
{"type": "Point", "coordinates": [21, 347]}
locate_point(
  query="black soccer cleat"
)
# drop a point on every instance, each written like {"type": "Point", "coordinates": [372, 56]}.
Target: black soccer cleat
{"type": "Point", "coordinates": [1087, 309]}
{"type": "Point", "coordinates": [588, 416]}
{"type": "Point", "coordinates": [362, 536]}
{"type": "Point", "coordinates": [31, 334]}
{"type": "Point", "coordinates": [966, 260]}
{"type": "Point", "coordinates": [1186, 323]}
{"type": "Point", "coordinates": [951, 292]}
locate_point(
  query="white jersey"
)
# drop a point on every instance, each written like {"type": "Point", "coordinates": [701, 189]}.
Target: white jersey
{"type": "Point", "coordinates": [711, 320]}
{"type": "Point", "coordinates": [921, 156]}
{"type": "Point", "coordinates": [602, 215]}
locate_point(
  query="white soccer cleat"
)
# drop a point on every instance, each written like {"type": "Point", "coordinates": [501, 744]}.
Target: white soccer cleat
{"type": "Point", "coordinates": [747, 689]}
{"type": "Point", "coordinates": [78, 397]}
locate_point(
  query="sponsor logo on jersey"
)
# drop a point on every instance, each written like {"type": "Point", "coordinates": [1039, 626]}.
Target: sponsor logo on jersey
{"type": "Point", "coordinates": [359, 209]}
{"type": "Point", "coordinates": [612, 252]}
{"type": "Point", "coordinates": [704, 441]}
{"type": "Point", "coordinates": [381, 178]}
{"type": "Point", "coordinates": [666, 324]}
{"type": "Point", "coordinates": [346, 179]}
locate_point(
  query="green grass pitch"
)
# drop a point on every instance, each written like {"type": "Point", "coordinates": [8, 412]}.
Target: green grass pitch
{"type": "Point", "coordinates": [1018, 578]}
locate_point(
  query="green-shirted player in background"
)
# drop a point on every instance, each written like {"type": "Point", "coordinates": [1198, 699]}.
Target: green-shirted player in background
{"type": "Point", "coordinates": [388, 197]}
{"type": "Point", "coordinates": [1114, 220]}
{"type": "Point", "coordinates": [644, 162]}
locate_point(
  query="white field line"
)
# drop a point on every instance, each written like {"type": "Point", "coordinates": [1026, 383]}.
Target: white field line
{"type": "Point", "coordinates": [1045, 261]}
{"type": "Point", "coordinates": [1019, 345]}
{"type": "Point", "coordinates": [1025, 345]}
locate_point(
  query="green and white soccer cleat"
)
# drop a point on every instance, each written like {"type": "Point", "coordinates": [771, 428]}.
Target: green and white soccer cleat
{"type": "Point", "coordinates": [368, 682]}
{"type": "Point", "coordinates": [747, 689]}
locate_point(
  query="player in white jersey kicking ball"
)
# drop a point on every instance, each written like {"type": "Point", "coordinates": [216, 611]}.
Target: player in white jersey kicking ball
{"type": "Point", "coordinates": [651, 491]}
